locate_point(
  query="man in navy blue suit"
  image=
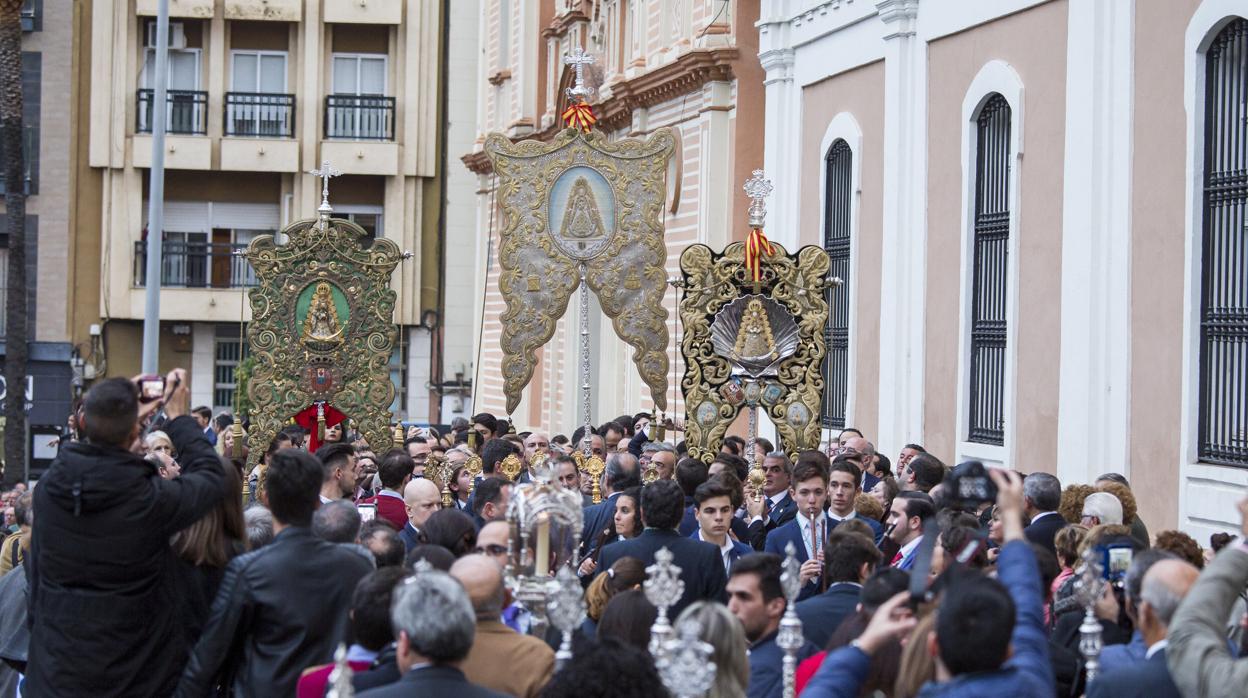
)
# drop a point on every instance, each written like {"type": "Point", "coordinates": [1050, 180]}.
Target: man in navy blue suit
{"type": "Point", "coordinates": [844, 486]}
{"type": "Point", "coordinates": [809, 529]}
{"type": "Point", "coordinates": [701, 566]}
{"type": "Point", "coordinates": [1165, 585]}
{"type": "Point", "coordinates": [713, 503]}
{"type": "Point", "coordinates": [848, 561]}
{"type": "Point", "coordinates": [757, 600]}
{"type": "Point", "coordinates": [1043, 494]}
{"type": "Point", "coordinates": [777, 507]}
{"type": "Point", "coordinates": [911, 514]}
{"type": "Point", "coordinates": [620, 474]}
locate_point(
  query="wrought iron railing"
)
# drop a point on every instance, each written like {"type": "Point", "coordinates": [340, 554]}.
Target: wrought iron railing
{"type": "Point", "coordinates": [196, 265]}
{"type": "Point", "coordinates": [186, 111]}
{"type": "Point", "coordinates": [359, 117]}
{"type": "Point", "coordinates": [260, 114]}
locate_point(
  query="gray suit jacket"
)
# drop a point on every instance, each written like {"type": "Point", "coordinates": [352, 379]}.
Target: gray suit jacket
{"type": "Point", "coordinates": [1200, 663]}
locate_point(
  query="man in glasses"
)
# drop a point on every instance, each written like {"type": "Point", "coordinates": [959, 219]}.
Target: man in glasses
{"type": "Point", "coordinates": [777, 507]}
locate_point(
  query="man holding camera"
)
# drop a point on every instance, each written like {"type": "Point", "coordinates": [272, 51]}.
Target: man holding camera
{"type": "Point", "coordinates": [102, 603]}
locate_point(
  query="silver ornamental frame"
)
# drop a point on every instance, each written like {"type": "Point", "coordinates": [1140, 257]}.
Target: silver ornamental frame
{"type": "Point", "coordinates": [529, 502]}
{"type": "Point", "coordinates": [1089, 587]}
{"type": "Point", "coordinates": [663, 587]}
{"type": "Point", "coordinates": [790, 637]}
{"type": "Point", "coordinates": [685, 664]}
{"type": "Point", "coordinates": [565, 604]}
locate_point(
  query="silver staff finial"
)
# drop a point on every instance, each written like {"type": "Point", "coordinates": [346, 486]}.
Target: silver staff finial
{"type": "Point", "coordinates": [578, 59]}
{"type": "Point", "coordinates": [325, 173]}
{"type": "Point", "coordinates": [757, 188]}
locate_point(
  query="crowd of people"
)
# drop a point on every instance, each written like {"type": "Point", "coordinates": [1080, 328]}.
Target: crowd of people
{"type": "Point", "coordinates": [150, 560]}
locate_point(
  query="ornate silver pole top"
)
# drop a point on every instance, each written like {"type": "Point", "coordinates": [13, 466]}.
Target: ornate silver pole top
{"type": "Point", "coordinates": [578, 59]}
{"type": "Point", "coordinates": [757, 188]}
{"type": "Point", "coordinates": [340, 678]}
{"type": "Point", "coordinates": [685, 664]}
{"type": "Point", "coordinates": [565, 600]}
{"type": "Point", "coordinates": [790, 578]}
{"type": "Point", "coordinates": [325, 173]}
{"type": "Point", "coordinates": [663, 585]}
{"type": "Point", "coordinates": [790, 637]}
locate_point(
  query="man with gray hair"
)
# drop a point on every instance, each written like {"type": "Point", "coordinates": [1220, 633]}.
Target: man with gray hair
{"type": "Point", "coordinates": [1101, 508]}
{"type": "Point", "coordinates": [259, 523]}
{"type": "Point", "coordinates": [337, 522]}
{"type": "Point", "coordinates": [434, 626]}
{"type": "Point", "coordinates": [501, 659]}
{"type": "Point", "coordinates": [1165, 584]}
{"type": "Point", "coordinates": [661, 456]}
{"type": "Point", "coordinates": [1042, 493]}
{"type": "Point", "coordinates": [620, 473]}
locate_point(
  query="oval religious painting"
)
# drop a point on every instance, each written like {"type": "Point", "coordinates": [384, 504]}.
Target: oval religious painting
{"type": "Point", "coordinates": [581, 212]}
{"type": "Point", "coordinates": [321, 315]}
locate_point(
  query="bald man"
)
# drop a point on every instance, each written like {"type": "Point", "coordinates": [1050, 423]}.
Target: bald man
{"type": "Point", "coordinates": [500, 659]}
{"type": "Point", "coordinates": [1165, 585]}
{"type": "Point", "coordinates": [420, 498]}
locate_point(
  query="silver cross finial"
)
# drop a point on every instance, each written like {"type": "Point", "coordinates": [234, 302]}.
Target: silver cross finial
{"type": "Point", "coordinates": [578, 59]}
{"type": "Point", "coordinates": [325, 173]}
{"type": "Point", "coordinates": [757, 188]}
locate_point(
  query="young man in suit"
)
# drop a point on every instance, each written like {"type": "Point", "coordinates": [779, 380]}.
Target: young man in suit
{"type": "Point", "coordinates": [757, 600]}
{"type": "Point", "coordinates": [1043, 494]}
{"type": "Point", "coordinates": [844, 486]}
{"type": "Point", "coordinates": [435, 625]}
{"type": "Point", "coordinates": [395, 472]}
{"type": "Point", "coordinates": [849, 560]}
{"type": "Point", "coordinates": [777, 507]}
{"type": "Point", "coordinates": [1165, 585]}
{"type": "Point", "coordinates": [701, 565]}
{"type": "Point", "coordinates": [713, 503]}
{"type": "Point", "coordinates": [809, 529]}
{"type": "Point", "coordinates": [910, 514]}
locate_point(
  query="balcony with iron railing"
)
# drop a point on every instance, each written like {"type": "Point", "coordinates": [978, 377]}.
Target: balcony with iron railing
{"type": "Point", "coordinates": [359, 117]}
{"type": "Point", "coordinates": [196, 265]}
{"type": "Point", "coordinates": [259, 114]}
{"type": "Point", "coordinates": [186, 112]}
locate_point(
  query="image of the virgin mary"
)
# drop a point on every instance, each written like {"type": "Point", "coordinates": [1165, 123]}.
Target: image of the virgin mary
{"type": "Point", "coordinates": [321, 324]}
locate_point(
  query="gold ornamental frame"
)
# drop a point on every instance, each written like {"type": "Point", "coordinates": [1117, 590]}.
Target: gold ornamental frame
{"type": "Point", "coordinates": [305, 349]}
{"type": "Point", "coordinates": [793, 395]}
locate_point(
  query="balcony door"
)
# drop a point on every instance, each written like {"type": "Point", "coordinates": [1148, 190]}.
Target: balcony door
{"type": "Point", "coordinates": [359, 81]}
{"type": "Point", "coordinates": [183, 113]}
{"type": "Point", "coordinates": [258, 104]}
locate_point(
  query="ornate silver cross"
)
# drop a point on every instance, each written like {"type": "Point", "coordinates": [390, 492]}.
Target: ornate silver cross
{"type": "Point", "coordinates": [325, 173]}
{"type": "Point", "coordinates": [578, 59]}
{"type": "Point", "coordinates": [757, 188]}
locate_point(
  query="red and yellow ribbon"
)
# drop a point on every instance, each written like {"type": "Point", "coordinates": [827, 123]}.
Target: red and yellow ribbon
{"type": "Point", "coordinates": [579, 115]}
{"type": "Point", "coordinates": [756, 245]}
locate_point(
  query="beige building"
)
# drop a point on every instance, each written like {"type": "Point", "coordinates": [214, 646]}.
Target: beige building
{"type": "Point", "coordinates": [690, 65]}
{"type": "Point", "coordinates": [260, 92]}
{"type": "Point", "coordinates": [1038, 206]}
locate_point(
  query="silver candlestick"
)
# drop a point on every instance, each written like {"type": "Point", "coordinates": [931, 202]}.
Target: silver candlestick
{"type": "Point", "coordinates": [340, 678]}
{"type": "Point", "coordinates": [565, 604]}
{"type": "Point", "coordinates": [1089, 587]}
{"type": "Point", "coordinates": [545, 534]}
{"type": "Point", "coordinates": [663, 587]}
{"type": "Point", "coordinates": [685, 665]}
{"type": "Point", "coordinates": [790, 637]}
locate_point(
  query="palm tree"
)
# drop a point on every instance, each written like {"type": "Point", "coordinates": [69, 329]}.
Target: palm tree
{"type": "Point", "coordinates": [15, 210]}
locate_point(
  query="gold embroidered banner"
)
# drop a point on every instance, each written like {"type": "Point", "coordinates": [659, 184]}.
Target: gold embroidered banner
{"type": "Point", "coordinates": [582, 203]}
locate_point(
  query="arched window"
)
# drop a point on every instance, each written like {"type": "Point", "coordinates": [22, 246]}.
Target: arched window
{"type": "Point", "coordinates": [1224, 253]}
{"type": "Point", "coordinates": [989, 278]}
{"type": "Point", "coordinates": [837, 225]}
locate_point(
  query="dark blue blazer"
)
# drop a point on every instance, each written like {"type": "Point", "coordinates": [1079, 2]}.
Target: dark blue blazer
{"type": "Point", "coordinates": [432, 681]}
{"type": "Point", "coordinates": [689, 524]}
{"type": "Point", "coordinates": [767, 667]}
{"type": "Point", "coordinates": [783, 512]}
{"type": "Point", "coordinates": [876, 526]}
{"type": "Point", "coordinates": [1042, 531]}
{"type": "Point", "coordinates": [598, 518]}
{"type": "Point", "coordinates": [409, 535]}
{"type": "Point", "coordinates": [821, 615]}
{"type": "Point", "coordinates": [701, 565]}
{"type": "Point", "coordinates": [1146, 679]}
{"type": "Point", "coordinates": [792, 533]}
{"type": "Point", "coordinates": [738, 549]}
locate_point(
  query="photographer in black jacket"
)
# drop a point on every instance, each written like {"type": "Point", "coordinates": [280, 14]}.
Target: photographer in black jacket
{"type": "Point", "coordinates": [102, 602]}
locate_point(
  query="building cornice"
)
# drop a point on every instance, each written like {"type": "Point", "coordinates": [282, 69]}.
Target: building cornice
{"type": "Point", "coordinates": [686, 74]}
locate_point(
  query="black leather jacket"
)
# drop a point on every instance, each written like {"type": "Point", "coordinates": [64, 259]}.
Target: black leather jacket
{"type": "Point", "coordinates": [279, 610]}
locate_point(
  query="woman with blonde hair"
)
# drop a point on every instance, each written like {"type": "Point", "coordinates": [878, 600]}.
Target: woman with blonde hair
{"type": "Point", "coordinates": [722, 631]}
{"type": "Point", "coordinates": [918, 666]}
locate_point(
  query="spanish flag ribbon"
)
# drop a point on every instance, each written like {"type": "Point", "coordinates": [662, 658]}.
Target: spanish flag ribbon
{"type": "Point", "coordinates": [756, 245]}
{"type": "Point", "coordinates": [579, 115]}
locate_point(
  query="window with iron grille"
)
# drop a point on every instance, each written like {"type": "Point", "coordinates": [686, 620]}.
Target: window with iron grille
{"type": "Point", "coordinates": [989, 273]}
{"type": "Point", "coordinates": [837, 222]}
{"type": "Point", "coordinates": [1224, 253]}
{"type": "Point", "coordinates": [228, 350]}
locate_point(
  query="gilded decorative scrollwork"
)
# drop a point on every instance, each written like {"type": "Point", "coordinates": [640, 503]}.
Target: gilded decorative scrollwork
{"type": "Point", "coordinates": [322, 328]}
{"type": "Point", "coordinates": [791, 391]}
{"type": "Point", "coordinates": [582, 199]}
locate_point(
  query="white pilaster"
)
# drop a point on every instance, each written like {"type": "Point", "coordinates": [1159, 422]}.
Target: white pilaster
{"type": "Point", "coordinates": [902, 298]}
{"type": "Point", "coordinates": [783, 117]}
{"type": "Point", "coordinates": [1095, 377]}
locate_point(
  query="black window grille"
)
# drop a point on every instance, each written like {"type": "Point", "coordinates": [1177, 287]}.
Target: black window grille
{"type": "Point", "coordinates": [990, 273]}
{"type": "Point", "coordinates": [838, 222]}
{"type": "Point", "coordinates": [1224, 253]}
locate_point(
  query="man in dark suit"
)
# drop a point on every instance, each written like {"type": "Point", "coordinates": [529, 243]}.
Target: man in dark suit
{"type": "Point", "coordinates": [848, 560]}
{"type": "Point", "coordinates": [757, 600]}
{"type": "Point", "coordinates": [701, 566]}
{"type": "Point", "coordinates": [690, 472]}
{"type": "Point", "coordinates": [844, 486]}
{"type": "Point", "coordinates": [420, 499]}
{"type": "Point", "coordinates": [777, 507]}
{"type": "Point", "coordinates": [570, 478]}
{"type": "Point", "coordinates": [713, 502]}
{"type": "Point", "coordinates": [809, 529]}
{"type": "Point", "coordinates": [1165, 585]}
{"type": "Point", "coordinates": [435, 625]}
{"type": "Point", "coordinates": [620, 474]}
{"type": "Point", "coordinates": [1043, 494]}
